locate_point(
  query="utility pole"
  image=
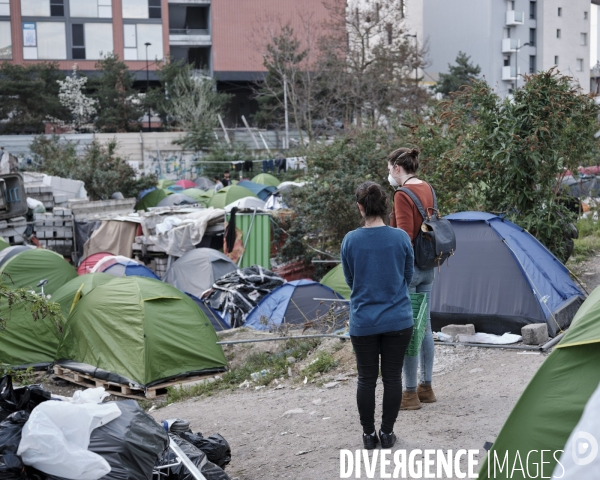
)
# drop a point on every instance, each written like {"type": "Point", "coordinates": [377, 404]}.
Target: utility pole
{"type": "Point", "coordinates": [519, 47]}
{"type": "Point", "coordinates": [148, 82]}
{"type": "Point", "coordinates": [285, 106]}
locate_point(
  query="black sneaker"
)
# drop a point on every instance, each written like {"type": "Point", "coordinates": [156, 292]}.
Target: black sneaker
{"type": "Point", "coordinates": [387, 440]}
{"type": "Point", "coordinates": [370, 441]}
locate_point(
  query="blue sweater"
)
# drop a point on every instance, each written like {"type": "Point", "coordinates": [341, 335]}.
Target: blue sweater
{"type": "Point", "coordinates": [378, 266]}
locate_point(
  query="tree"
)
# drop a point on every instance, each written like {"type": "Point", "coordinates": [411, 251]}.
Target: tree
{"type": "Point", "coordinates": [508, 156]}
{"type": "Point", "coordinates": [29, 97]}
{"type": "Point", "coordinates": [118, 104]}
{"type": "Point", "coordinates": [71, 96]}
{"type": "Point", "coordinates": [102, 171]}
{"type": "Point", "coordinates": [463, 73]}
{"type": "Point", "coordinates": [157, 98]}
{"type": "Point", "coordinates": [195, 104]}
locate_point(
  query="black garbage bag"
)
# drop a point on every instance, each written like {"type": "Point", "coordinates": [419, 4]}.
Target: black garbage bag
{"type": "Point", "coordinates": [11, 467]}
{"type": "Point", "coordinates": [216, 447]}
{"type": "Point", "coordinates": [179, 472]}
{"type": "Point", "coordinates": [21, 398]}
{"type": "Point", "coordinates": [131, 443]}
{"type": "Point", "coordinates": [10, 432]}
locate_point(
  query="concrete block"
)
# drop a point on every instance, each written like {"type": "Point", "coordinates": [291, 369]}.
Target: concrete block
{"type": "Point", "coordinates": [51, 243]}
{"type": "Point", "coordinates": [68, 223]}
{"type": "Point", "coordinates": [46, 189]}
{"type": "Point", "coordinates": [66, 212]}
{"type": "Point", "coordinates": [58, 221]}
{"type": "Point", "coordinates": [16, 239]}
{"type": "Point", "coordinates": [3, 224]}
{"type": "Point", "coordinates": [61, 198]}
{"type": "Point", "coordinates": [68, 232]}
{"type": "Point", "coordinates": [455, 330]}
{"type": "Point", "coordinates": [17, 221]}
{"type": "Point", "coordinates": [535, 334]}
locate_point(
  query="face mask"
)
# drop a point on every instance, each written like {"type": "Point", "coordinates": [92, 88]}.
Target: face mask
{"type": "Point", "coordinates": [394, 182]}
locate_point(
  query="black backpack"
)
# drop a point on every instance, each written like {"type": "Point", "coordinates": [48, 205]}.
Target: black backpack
{"type": "Point", "coordinates": [435, 241]}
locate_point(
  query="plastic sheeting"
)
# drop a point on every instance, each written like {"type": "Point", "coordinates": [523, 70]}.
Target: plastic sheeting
{"type": "Point", "coordinates": [112, 236]}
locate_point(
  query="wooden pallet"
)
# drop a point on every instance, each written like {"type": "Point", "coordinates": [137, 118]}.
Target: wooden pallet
{"type": "Point", "coordinates": [122, 390]}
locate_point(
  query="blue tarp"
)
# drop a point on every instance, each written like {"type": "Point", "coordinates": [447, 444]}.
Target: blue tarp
{"type": "Point", "coordinates": [130, 269]}
{"type": "Point", "coordinates": [261, 191]}
{"type": "Point", "coordinates": [292, 303]}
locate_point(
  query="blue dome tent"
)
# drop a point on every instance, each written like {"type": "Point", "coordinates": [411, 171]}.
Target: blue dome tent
{"type": "Point", "coordinates": [295, 302]}
{"type": "Point", "coordinates": [120, 266]}
{"type": "Point", "coordinates": [261, 191]}
{"type": "Point", "coordinates": [501, 279]}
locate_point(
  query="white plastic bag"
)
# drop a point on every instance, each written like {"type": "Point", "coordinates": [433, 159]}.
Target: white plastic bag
{"type": "Point", "coordinates": [90, 395]}
{"type": "Point", "coordinates": [35, 205]}
{"type": "Point", "coordinates": [56, 437]}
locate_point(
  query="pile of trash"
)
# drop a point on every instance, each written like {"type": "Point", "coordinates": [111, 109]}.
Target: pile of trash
{"type": "Point", "coordinates": [49, 437]}
{"type": "Point", "coordinates": [234, 295]}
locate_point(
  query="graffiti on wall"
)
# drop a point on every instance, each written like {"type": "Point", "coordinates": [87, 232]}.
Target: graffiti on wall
{"type": "Point", "coordinates": [170, 164]}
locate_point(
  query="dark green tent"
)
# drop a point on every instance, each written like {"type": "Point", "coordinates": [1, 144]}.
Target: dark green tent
{"type": "Point", "coordinates": [151, 199]}
{"type": "Point", "coordinates": [29, 267]}
{"type": "Point", "coordinates": [140, 330]}
{"type": "Point", "coordinates": [553, 402]}
{"type": "Point", "coordinates": [82, 285]}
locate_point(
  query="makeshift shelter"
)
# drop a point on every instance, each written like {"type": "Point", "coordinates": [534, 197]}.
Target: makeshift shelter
{"type": "Point", "coordinates": [28, 268]}
{"type": "Point", "coordinates": [88, 263]}
{"type": "Point", "coordinates": [27, 341]}
{"type": "Point", "coordinates": [140, 331]}
{"type": "Point", "coordinates": [266, 179]}
{"type": "Point", "coordinates": [197, 270]}
{"type": "Point", "coordinates": [151, 199]}
{"type": "Point", "coordinates": [335, 280]}
{"type": "Point", "coordinates": [3, 244]}
{"type": "Point", "coordinates": [65, 296]}
{"type": "Point", "coordinates": [586, 186]}
{"type": "Point", "coordinates": [229, 194]}
{"type": "Point", "coordinates": [7, 253]}
{"type": "Point", "coordinates": [261, 191]}
{"type": "Point", "coordinates": [120, 266]}
{"type": "Point", "coordinates": [175, 189]}
{"type": "Point", "coordinates": [294, 303]}
{"type": "Point", "coordinates": [215, 319]}
{"type": "Point", "coordinates": [185, 184]}
{"type": "Point", "coordinates": [144, 192]}
{"type": "Point", "coordinates": [246, 203]}
{"type": "Point", "coordinates": [553, 402]}
{"type": "Point", "coordinates": [501, 279]}
{"type": "Point", "coordinates": [283, 186]}
{"type": "Point", "coordinates": [165, 182]}
{"type": "Point", "coordinates": [200, 196]}
{"type": "Point", "coordinates": [177, 199]}
{"type": "Point", "coordinates": [114, 236]}
{"type": "Point", "coordinates": [204, 183]}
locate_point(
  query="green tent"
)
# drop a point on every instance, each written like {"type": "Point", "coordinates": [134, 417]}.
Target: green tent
{"type": "Point", "coordinates": [82, 285]}
{"type": "Point", "coordinates": [230, 194]}
{"type": "Point", "coordinates": [201, 196]}
{"type": "Point", "coordinates": [336, 281]}
{"type": "Point", "coordinates": [151, 199]}
{"type": "Point", "coordinates": [553, 402]}
{"type": "Point", "coordinates": [266, 179]}
{"type": "Point", "coordinates": [165, 183]}
{"type": "Point", "coordinates": [141, 330]}
{"type": "Point", "coordinates": [3, 244]}
{"type": "Point", "coordinates": [26, 341]}
{"type": "Point", "coordinates": [29, 267]}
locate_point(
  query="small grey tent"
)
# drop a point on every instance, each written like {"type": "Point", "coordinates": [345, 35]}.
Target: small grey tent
{"type": "Point", "coordinates": [197, 270]}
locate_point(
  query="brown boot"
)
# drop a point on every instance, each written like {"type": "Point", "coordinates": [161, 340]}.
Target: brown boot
{"type": "Point", "coordinates": [425, 393]}
{"type": "Point", "coordinates": [410, 401]}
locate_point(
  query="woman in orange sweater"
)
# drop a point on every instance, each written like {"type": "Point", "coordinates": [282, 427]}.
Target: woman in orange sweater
{"type": "Point", "coordinates": [403, 164]}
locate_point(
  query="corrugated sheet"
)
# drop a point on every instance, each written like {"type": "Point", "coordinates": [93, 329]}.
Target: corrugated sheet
{"type": "Point", "coordinates": [258, 247]}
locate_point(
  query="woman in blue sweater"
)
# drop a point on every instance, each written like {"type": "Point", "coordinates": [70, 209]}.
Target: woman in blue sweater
{"type": "Point", "coordinates": [378, 265]}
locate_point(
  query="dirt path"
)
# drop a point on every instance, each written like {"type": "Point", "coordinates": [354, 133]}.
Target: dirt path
{"type": "Point", "coordinates": [476, 390]}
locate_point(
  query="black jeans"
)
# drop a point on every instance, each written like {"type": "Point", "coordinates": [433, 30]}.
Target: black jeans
{"type": "Point", "coordinates": [392, 347]}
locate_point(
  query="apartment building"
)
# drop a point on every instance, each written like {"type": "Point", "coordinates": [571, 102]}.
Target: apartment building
{"type": "Point", "coordinates": [510, 38]}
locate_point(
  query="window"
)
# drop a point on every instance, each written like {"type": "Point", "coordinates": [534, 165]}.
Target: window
{"type": "Point", "coordinates": [558, 33]}
{"type": "Point", "coordinates": [78, 39]}
{"type": "Point", "coordinates": [35, 8]}
{"type": "Point", "coordinates": [51, 41]}
{"type": "Point", "coordinates": [532, 10]}
{"type": "Point", "coordinates": [531, 63]}
{"type": "Point", "coordinates": [555, 59]}
{"type": "Point", "coordinates": [583, 37]}
{"type": "Point", "coordinates": [135, 9]}
{"type": "Point", "coordinates": [5, 8]}
{"type": "Point", "coordinates": [585, 15]}
{"type": "Point", "coordinates": [57, 8]}
{"type": "Point", "coordinates": [580, 64]}
{"type": "Point", "coordinates": [559, 12]}
{"type": "Point", "coordinates": [91, 8]}
{"type": "Point", "coordinates": [5, 41]}
{"type": "Point", "coordinates": [532, 37]}
{"type": "Point", "coordinates": [154, 9]}
{"type": "Point", "coordinates": [98, 40]}
{"type": "Point", "coordinates": [130, 42]}
{"type": "Point", "coordinates": [506, 61]}
{"type": "Point", "coordinates": [152, 33]}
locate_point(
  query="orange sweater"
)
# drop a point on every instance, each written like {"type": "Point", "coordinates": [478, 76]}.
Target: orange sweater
{"type": "Point", "coordinates": [405, 214]}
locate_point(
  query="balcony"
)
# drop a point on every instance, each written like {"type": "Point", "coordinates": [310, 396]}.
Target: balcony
{"type": "Point", "coordinates": [509, 73]}
{"type": "Point", "coordinates": [509, 45]}
{"type": "Point", "coordinates": [190, 37]}
{"type": "Point", "coordinates": [514, 18]}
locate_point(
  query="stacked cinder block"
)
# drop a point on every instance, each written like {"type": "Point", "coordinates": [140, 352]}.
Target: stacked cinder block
{"type": "Point", "coordinates": [160, 266]}
{"type": "Point", "coordinates": [43, 193]}
{"type": "Point", "coordinates": [13, 230]}
{"type": "Point", "coordinates": [55, 230]}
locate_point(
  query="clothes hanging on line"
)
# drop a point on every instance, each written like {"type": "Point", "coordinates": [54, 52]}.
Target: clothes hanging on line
{"type": "Point", "coordinates": [268, 165]}
{"type": "Point", "coordinates": [248, 166]}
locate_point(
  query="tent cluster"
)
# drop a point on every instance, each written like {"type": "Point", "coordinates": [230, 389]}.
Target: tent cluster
{"type": "Point", "coordinates": [263, 191]}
